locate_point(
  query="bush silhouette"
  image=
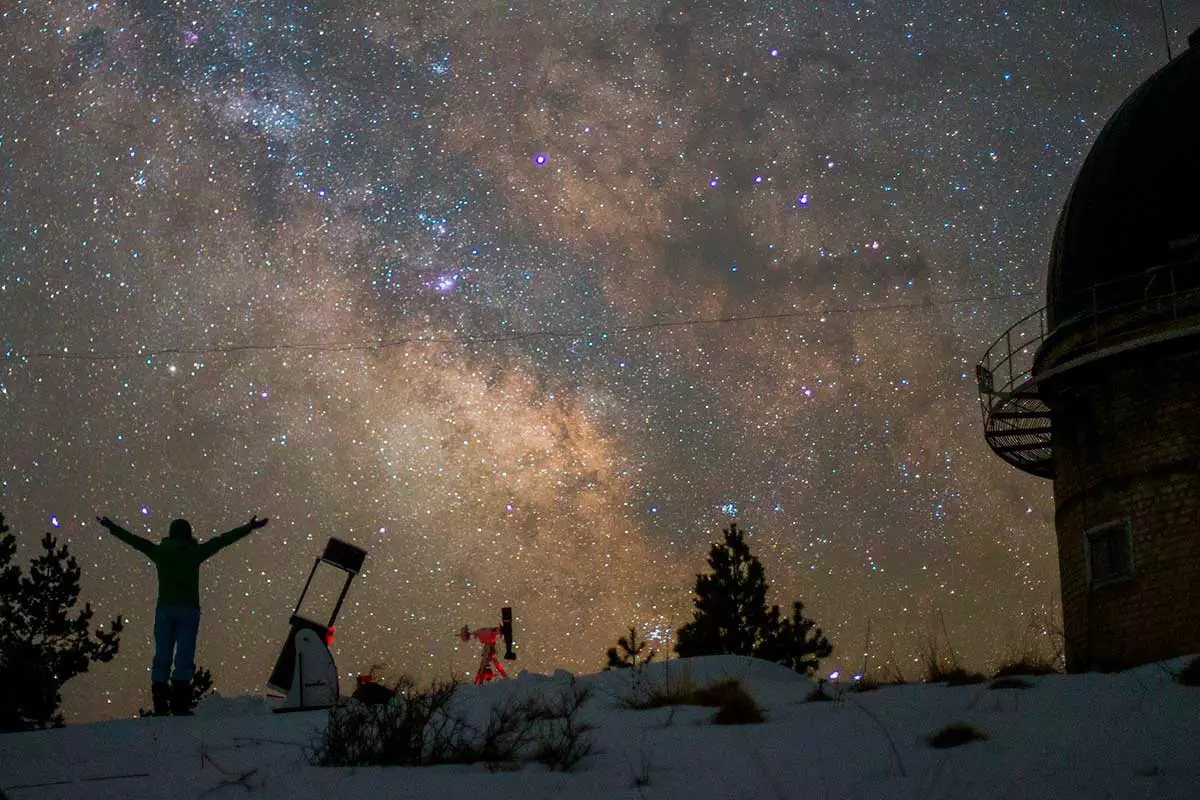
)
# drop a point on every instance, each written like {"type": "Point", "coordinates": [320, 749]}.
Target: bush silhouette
{"type": "Point", "coordinates": [421, 727]}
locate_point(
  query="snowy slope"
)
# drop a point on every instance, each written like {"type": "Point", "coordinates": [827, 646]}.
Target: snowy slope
{"type": "Point", "coordinates": [1128, 735]}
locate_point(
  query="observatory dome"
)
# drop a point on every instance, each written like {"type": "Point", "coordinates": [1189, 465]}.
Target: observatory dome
{"type": "Point", "coordinates": [1135, 205]}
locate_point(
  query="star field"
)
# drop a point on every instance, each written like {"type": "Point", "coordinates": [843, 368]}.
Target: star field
{"type": "Point", "coordinates": [465, 284]}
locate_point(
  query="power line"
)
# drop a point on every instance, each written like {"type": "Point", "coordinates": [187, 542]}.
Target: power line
{"type": "Point", "coordinates": [501, 338]}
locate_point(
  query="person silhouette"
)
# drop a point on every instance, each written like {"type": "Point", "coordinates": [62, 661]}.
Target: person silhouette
{"type": "Point", "coordinates": [177, 560]}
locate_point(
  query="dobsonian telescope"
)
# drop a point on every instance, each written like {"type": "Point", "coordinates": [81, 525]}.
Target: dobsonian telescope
{"type": "Point", "coordinates": [489, 665]}
{"type": "Point", "coordinates": [305, 671]}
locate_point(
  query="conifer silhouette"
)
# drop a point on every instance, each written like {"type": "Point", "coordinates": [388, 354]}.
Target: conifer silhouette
{"type": "Point", "coordinates": [43, 642]}
{"type": "Point", "coordinates": [732, 617]}
{"type": "Point", "coordinates": [630, 652]}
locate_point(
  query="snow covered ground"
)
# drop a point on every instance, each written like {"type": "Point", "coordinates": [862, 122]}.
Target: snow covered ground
{"type": "Point", "coordinates": [1127, 735]}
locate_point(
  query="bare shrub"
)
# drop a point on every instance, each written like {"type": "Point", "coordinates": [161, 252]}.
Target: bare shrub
{"type": "Point", "coordinates": [641, 775]}
{"type": "Point", "coordinates": [413, 729]}
{"type": "Point", "coordinates": [417, 728]}
{"type": "Point", "coordinates": [502, 741]}
{"type": "Point", "coordinates": [564, 739]}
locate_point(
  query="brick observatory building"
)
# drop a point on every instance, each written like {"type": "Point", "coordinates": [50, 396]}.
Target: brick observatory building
{"type": "Point", "coordinates": [1100, 390]}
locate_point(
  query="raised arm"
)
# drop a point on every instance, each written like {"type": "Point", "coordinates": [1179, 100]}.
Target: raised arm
{"type": "Point", "coordinates": [217, 543]}
{"type": "Point", "coordinates": [132, 539]}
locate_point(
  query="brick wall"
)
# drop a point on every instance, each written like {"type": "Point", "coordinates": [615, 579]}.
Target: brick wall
{"type": "Point", "coordinates": [1126, 435]}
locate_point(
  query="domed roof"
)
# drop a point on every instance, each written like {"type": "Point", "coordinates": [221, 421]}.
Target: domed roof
{"type": "Point", "coordinates": [1136, 202]}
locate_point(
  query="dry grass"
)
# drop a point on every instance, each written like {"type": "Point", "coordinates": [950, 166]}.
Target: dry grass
{"type": "Point", "coordinates": [735, 706]}
{"type": "Point", "coordinates": [1030, 664]}
{"type": "Point", "coordinates": [717, 694]}
{"type": "Point", "coordinates": [1035, 653]}
{"type": "Point", "coordinates": [956, 734]}
{"type": "Point", "coordinates": [645, 695]}
{"type": "Point", "coordinates": [942, 666]}
{"type": "Point", "coordinates": [863, 684]}
{"type": "Point", "coordinates": [889, 674]}
{"type": "Point", "coordinates": [957, 676]}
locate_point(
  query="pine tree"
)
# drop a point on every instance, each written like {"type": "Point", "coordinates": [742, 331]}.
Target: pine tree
{"type": "Point", "coordinates": [43, 644]}
{"type": "Point", "coordinates": [731, 614]}
{"type": "Point", "coordinates": [797, 644]}
{"type": "Point", "coordinates": [732, 617]}
{"type": "Point", "coordinates": [630, 653]}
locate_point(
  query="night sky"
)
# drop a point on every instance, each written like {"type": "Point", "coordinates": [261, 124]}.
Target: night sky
{"type": "Point", "coordinates": [467, 284]}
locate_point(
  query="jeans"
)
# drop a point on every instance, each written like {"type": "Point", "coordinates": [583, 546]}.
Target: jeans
{"type": "Point", "coordinates": [175, 629]}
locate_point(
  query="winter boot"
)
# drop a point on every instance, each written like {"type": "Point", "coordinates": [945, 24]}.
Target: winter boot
{"type": "Point", "coordinates": [181, 698]}
{"type": "Point", "coordinates": [161, 695]}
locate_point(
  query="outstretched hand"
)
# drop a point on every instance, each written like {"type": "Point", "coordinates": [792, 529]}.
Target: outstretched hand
{"type": "Point", "coordinates": [105, 522]}
{"type": "Point", "coordinates": [256, 523]}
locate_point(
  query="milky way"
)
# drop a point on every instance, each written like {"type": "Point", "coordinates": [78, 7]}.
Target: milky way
{"type": "Point", "coordinates": [468, 285]}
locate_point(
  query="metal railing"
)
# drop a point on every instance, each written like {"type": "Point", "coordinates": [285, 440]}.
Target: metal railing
{"type": "Point", "coordinates": [1115, 315]}
{"type": "Point", "coordinates": [1162, 293]}
{"type": "Point", "coordinates": [1010, 358]}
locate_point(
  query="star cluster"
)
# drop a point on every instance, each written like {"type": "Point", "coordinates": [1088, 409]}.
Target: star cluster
{"type": "Point", "coordinates": [468, 284]}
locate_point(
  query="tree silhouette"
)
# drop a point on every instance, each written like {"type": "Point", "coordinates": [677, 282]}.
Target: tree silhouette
{"type": "Point", "coordinates": [799, 644]}
{"type": "Point", "coordinates": [43, 643]}
{"type": "Point", "coordinates": [731, 613]}
{"type": "Point", "coordinates": [630, 653]}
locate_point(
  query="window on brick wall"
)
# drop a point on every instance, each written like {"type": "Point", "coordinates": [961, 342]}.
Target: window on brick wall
{"type": "Point", "coordinates": [1108, 549]}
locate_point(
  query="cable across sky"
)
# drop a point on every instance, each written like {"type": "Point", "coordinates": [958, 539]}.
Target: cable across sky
{"type": "Point", "coordinates": [501, 338]}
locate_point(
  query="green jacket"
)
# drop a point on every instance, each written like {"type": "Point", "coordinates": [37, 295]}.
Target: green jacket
{"type": "Point", "coordinates": [178, 562]}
